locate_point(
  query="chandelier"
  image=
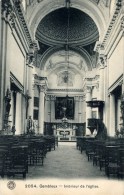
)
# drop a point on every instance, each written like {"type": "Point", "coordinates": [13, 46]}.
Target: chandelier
{"type": "Point", "coordinates": [66, 78]}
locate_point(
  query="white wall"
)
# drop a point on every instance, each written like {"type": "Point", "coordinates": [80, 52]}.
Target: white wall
{"type": "Point", "coordinates": [18, 122]}
{"type": "Point", "coordinates": [15, 58]}
{"type": "Point", "coordinates": [116, 63]}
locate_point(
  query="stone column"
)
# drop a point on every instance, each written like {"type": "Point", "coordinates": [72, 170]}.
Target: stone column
{"type": "Point", "coordinates": [112, 115]}
{"type": "Point", "coordinates": [47, 109]}
{"type": "Point", "coordinates": [30, 89]}
{"type": "Point", "coordinates": [102, 63]}
{"type": "Point", "coordinates": [88, 109]}
{"type": "Point", "coordinates": [6, 10]}
{"type": "Point", "coordinates": [122, 29]}
{"type": "Point", "coordinates": [42, 89]}
{"type": "Point", "coordinates": [118, 113]}
{"type": "Point", "coordinates": [105, 110]}
{"type": "Point", "coordinates": [53, 98]}
{"type": "Point", "coordinates": [18, 121]}
{"type": "Point", "coordinates": [80, 109]}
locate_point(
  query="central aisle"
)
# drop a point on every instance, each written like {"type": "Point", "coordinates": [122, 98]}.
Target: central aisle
{"type": "Point", "coordinates": [65, 162]}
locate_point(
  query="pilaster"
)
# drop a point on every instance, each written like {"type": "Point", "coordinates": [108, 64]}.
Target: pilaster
{"type": "Point", "coordinates": [102, 64]}
{"type": "Point", "coordinates": [4, 68]}
{"type": "Point", "coordinates": [112, 115]}
{"type": "Point", "coordinates": [42, 91]}
{"type": "Point", "coordinates": [88, 109]}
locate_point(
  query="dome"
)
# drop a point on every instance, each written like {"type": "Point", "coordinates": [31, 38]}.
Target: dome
{"type": "Point", "coordinates": [52, 30]}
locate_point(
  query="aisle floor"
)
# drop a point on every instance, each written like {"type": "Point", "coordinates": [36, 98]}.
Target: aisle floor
{"type": "Point", "coordinates": [66, 162]}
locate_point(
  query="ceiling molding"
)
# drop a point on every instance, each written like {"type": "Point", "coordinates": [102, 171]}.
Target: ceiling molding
{"type": "Point", "coordinates": [84, 54]}
{"type": "Point", "coordinates": [52, 30]}
{"type": "Point", "coordinates": [40, 10]}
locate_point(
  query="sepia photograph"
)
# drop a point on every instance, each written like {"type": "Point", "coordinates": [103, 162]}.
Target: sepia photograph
{"type": "Point", "coordinates": [62, 97]}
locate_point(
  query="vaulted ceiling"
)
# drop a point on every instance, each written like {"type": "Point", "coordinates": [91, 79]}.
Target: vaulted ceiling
{"type": "Point", "coordinates": [62, 24]}
{"type": "Point", "coordinates": [55, 26]}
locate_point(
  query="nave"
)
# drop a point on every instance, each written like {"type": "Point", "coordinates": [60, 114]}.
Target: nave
{"type": "Point", "coordinates": [66, 162]}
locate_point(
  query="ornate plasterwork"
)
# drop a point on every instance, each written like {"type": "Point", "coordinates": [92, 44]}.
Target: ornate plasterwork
{"type": "Point", "coordinates": [42, 88]}
{"type": "Point", "coordinates": [76, 58]}
{"type": "Point", "coordinates": [22, 20]}
{"type": "Point", "coordinates": [40, 10]}
{"type": "Point", "coordinates": [12, 12]}
{"type": "Point", "coordinates": [65, 90]}
{"type": "Point", "coordinates": [102, 61]}
{"type": "Point", "coordinates": [122, 24]}
{"type": "Point", "coordinates": [41, 83]}
{"type": "Point", "coordinates": [53, 28]}
{"type": "Point", "coordinates": [50, 97]}
{"type": "Point", "coordinates": [92, 82]}
{"type": "Point", "coordinates": [65, 79]}
{"type": "Point", "coordinates": [113, 20]}
{"type": "Point", "coordinates": [8, 13]}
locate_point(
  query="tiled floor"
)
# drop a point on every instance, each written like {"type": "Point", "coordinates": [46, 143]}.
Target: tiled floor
{"type": "Point", "coordinates": [64, 163]}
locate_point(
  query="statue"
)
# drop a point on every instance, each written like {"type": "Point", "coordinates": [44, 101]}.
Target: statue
{"type": "Point", "coordinates": [13, 129]}
{"type": "Point", "coordinates": [30, 126]}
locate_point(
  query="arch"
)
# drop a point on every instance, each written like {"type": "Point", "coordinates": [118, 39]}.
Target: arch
{"type": "Point", "coordinates": [40, 10]}
{"type": "Point", "coordinates": [82, 52]}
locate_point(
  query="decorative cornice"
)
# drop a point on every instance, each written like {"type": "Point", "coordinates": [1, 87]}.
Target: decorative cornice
{"type": "Point", "coordinates": [96, 77]}
{"type": "Point", "coordinates": [6, 8]}
{"type": "Point", "coordinates": [65, 90]}
{"type": "Point", "coordinates": [101, 45]}
{"type": "Point", "coordinates": [98, 47]}
{"type": "Point", "coordinates": [14, 80]}
{"type": "Point", "coordinates": [40, 78]}
{"type": "Point", "coordinates": [111, 25]}
{"type": "Point", "coordinates": [8, 13]}
{"type": "Point", "coordinates": [36, 45]}
{"type": "Point", "coordinates": [12, 11]}
{"type": "Point", "coordinates": [17, 7]}
{"type": "Point", "coordinates": [41, 82]}
{"type": "Point", "coordinates": [118, 82]}
{"type": "Point", "coordinates": [122, 24]}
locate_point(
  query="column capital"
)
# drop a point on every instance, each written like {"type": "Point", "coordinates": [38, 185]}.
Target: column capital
{"type": "Point", "coordinates": [30, 57]}
{"type": "Point", "coordinates": [6, 8]}
{"type": "Point", "coordinates": [50, 97]}
{"type": "Point", "coordinates": [76, 98]}
{"type": "Point", "coordinates": [53, 97]}
{"type": "Point", "coordinates": [42, 88]}
{"type": "Point", "coordinates": [8, 13]}
{"type": "Point", "coordinates": [40, 81]}
{"type": "Point", "coordinates": [88, 89]}
{"type": "Point", "coordinates": [81, 98]}
{"type": "Point", "coordinates": [47, 97]}
{"type": "Point", "coordinates": [102, 60]}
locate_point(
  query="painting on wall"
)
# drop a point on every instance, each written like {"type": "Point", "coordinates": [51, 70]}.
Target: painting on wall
{"type": "Point", "coordinates": [64, 102]}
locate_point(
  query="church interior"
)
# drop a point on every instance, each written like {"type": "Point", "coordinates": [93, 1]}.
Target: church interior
{"type": "Point", "coordinates": [62, 88]}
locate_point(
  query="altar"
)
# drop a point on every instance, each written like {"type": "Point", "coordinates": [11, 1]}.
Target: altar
{"type": "Point", "coordinates": [66, 134]}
